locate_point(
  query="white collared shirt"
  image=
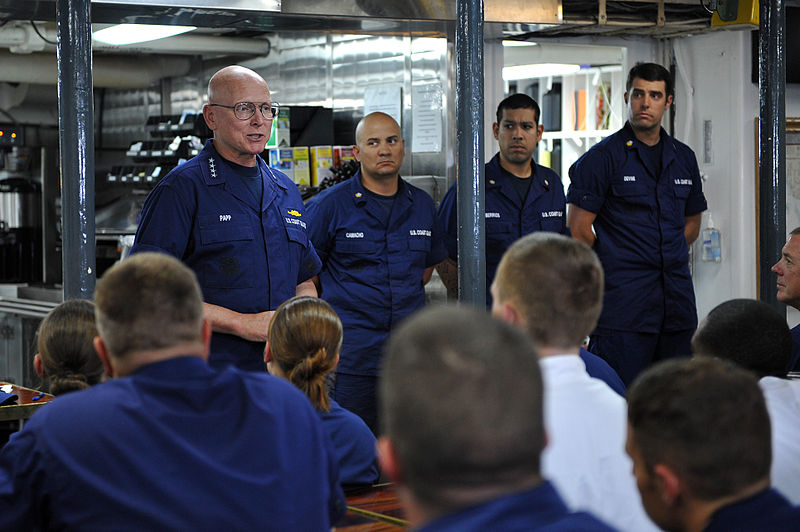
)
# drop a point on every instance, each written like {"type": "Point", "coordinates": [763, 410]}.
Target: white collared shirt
{"type": "Point", "coordinates": [783, 404]}
{"type": "Point", "coordinates": [586, 423]}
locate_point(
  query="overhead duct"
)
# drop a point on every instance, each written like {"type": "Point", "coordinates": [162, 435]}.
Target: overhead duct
{"type": "Point", "coordinates": [109, 72]}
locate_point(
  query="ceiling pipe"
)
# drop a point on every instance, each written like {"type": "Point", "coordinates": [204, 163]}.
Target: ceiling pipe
{"type": "Point", "coordinates": [109, 72]}
{"type": "Point", "coordinates": [21, 38]}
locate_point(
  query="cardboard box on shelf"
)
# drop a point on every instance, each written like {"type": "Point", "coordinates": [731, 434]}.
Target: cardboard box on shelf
{"type": "Point", "coordinates": [321, 162]}
{"type": "Point", "coordinates": [282, 159]}
{"type": "Point", "coordinates": [302, 175]}
{"type": "Point", "coordinates": [342, 154]}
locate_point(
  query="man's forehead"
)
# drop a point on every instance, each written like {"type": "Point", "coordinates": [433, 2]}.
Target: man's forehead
{"type": "Point", "coordinates": [643, 84]}
{"type": "Point", "coordinates": [792, 246]}
{"type": "Point", "coordinates": [518, 115]}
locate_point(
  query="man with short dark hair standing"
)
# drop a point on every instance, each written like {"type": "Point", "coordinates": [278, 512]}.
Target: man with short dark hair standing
{"type": "Point", "coordinates": [237, 223]}
{"type": "Point", "coordinates": [637, 199]}
{"type": "Point", "coordinates": [521, 195]}
{"type": "Point", "coordinates": [461, 411]}
{"type": "Point", "coordinates": [379, 240]}
{"type": "Point", "coordinates": [169, 443]}
{"type": "Point", "coordinates": [699, 437]}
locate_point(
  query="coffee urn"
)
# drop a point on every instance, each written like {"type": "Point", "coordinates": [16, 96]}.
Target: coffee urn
{"type": "Point", "coordinates": [20, 231]}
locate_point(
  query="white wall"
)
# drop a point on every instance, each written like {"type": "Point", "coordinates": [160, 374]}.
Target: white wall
{"type": "Point", "coordinates": [713, 83]}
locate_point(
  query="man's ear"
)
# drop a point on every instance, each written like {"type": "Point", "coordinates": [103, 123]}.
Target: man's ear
{"type": "Point", "coordinates": [210, 117]}
{"type": "Point", "coordinates": [668, 483]}
{"type": "Point", "coordinates": [387, 459]}
{"type": "Point", "coordinates": [38, 366]}
{"type": "Point", "coordinates": [510, 314]}
{"type": "Point", "coordinates": [102, 352]}
{"type": "Point", "coordinates": [495, 130]}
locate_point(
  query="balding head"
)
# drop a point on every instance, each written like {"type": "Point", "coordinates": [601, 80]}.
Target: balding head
{"type": "Point", "coordinates": [380, 149]}
{"type": "Point", "coordinates": [226, 79]}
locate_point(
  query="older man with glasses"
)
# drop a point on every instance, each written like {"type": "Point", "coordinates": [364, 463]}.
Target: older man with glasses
{"type": "Point", "coordinates": [238, 224]}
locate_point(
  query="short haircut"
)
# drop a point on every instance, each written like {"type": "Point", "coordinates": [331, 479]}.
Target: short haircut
{"type": "Point", "coordinates": [748, 332]}
{"type": "Point", "coordinates": [305, 335]}
{"type": "Point", "coordinates": [556, 283]}
{"type": "Point", "coordinates": [65, 344]}
{"type": "Point", "coordinates": [705, 418]}
{"type": "Point", "coordinates": [461, 401]}
{"type": "Point", "coordinates": [518, 101]}
{"type": "Point", "coordinates": [148, 302]}
{"type": "Point", "coordinates": [651, 72]}
{"type": "Point", "coordinates": [794, 232]}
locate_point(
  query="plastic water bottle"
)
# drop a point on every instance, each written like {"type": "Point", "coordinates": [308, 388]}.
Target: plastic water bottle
{"type": "Point", "coordinates": [712, 243]}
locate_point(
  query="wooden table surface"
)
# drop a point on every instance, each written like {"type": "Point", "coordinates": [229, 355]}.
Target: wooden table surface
{"type": "Point", "coordinates": [26, 405]}
{"type": "Point", "coordinates": [373, 509]}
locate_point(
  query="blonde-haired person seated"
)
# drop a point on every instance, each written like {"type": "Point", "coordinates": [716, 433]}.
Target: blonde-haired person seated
{"type": "Point", "coordinates": [66, 358]}
{"type": "Point", "coordinates": [305, 336]}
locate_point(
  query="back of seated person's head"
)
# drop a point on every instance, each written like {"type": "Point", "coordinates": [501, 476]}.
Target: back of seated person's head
{"type": "Point", "coordinates": [305, 336]}
{"type": "Point", "coordinates": [703, 421]}
{"type": "Point", "coordinates": [748, 332]}
{"type": "Point", "coordinates": [66, 357]}
{"type": "Point", "coordinates": [555, 283]}
{"type": "Point", "coordinates": [148, 302]}
{"type": "Point", "coordinates": [461, 407]}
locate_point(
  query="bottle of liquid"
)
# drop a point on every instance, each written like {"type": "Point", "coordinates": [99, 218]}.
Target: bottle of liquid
{"type": "Point", "coordinates": [712, 243]}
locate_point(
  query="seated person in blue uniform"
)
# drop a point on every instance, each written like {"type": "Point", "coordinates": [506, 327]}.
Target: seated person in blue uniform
{"type": "Point", "coordinates": [754, 335]}
{"type": "Point", "coordinates": [462, 426]}
{"type": "Point", "coordinates": [637, 199]}
{"type": "Point", "coordinates": [699, 437]}
{"type": "Point", "coordinates": [66, 360]}
{"type": "Point", "coordinates": [305, 337]}
{"type": "Point", "coordinates": [551, 287]}
{"type": "Point", "coordinates": [788, 271]}
{"type": "Point", "coordinates": [520, 196]}
{"type": "Point", "coordinates": [378, 240]}
{"type": "Point", "coordinates": [168, 443]}
{"type": "Point", "coordinates": [238, 224]}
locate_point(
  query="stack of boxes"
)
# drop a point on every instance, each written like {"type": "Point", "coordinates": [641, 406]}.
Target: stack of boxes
{"type": "Point", "coordinates": [305, 165]}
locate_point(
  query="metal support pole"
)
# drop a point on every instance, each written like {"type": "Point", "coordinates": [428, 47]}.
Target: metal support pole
{"type": "Point", "coordinates": [76, 142]}
{"type": "Point", "coordinates": [772, 145]}
{"type": "Point", "coordinates": [469, 135]}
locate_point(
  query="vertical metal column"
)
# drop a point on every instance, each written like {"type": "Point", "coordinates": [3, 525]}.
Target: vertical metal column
{"type": "Point", "coordinates": [76, 142]}
{"type": "Point", "coordinates": [772, 145]}
{"type": "Point", "coordinates": [469, 134]}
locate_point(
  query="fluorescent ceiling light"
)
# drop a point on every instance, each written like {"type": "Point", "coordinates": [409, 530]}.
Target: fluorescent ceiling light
{"type": "Point", "coordinates": [513, 44]}
{"type": "Point", "coordinates": [538, 70]}
{"type": "Point", "coordinates": [133, 33]}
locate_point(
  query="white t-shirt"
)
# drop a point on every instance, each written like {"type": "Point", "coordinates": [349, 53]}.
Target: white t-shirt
{"type": "Point", "coordinates": [783, 403]}
{"type": "Point", "coordinates": [586, 423]}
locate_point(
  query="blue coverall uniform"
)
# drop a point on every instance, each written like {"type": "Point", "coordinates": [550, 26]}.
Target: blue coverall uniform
{"type": "Point", "coordinates": [507, 217]}
{"type": "Point", "coordinates": [767, 510]}
{"type": "Point", "coordinates": [248, 256]}
{"type": "Point", "coordinates": [534, 509]}
{"type": "Point", "coordinates": [174, 446]}
{"type": "Point", "coordinates": [649, 306]}
{"type": "Point", "coordinates": [354, 445]}
{"type": "Point", "coordinates": [372, 274]}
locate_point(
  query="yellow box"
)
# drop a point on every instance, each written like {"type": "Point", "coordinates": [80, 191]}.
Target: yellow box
{"type": "Point", "coordinates": [746, 13]}
{"type": "Point", "coordinates": [321, 162]}
{"type": "Point", "coordinates": [302, 176]}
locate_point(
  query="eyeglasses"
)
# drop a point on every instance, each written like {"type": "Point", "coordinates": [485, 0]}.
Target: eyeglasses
{"type": "Point", "coordinates": [245, 110]}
